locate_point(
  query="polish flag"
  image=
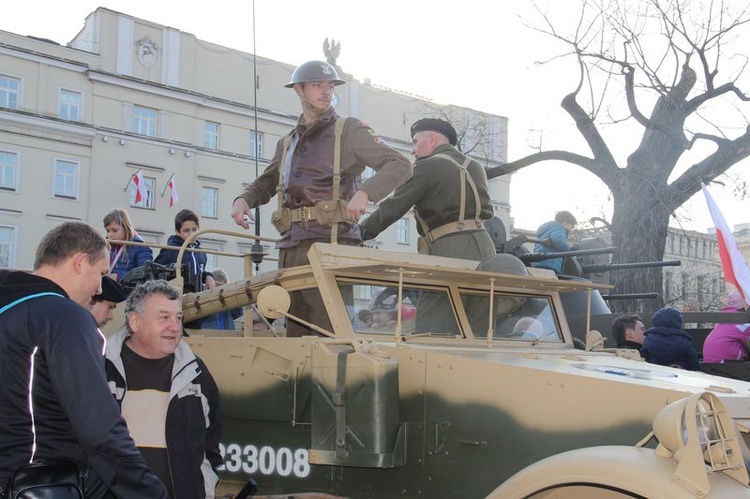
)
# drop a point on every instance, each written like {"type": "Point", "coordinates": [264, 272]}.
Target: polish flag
{"type": "Point", "coordinates": [140, 187]}
{"type": "Point", "coordinates": [733, 264]}
{"type": "Point", "coordinates": [172, 186]}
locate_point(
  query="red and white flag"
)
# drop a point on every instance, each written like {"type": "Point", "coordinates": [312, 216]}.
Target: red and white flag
{"type": "Point", "coordinates": [140, 187]}
{"type": "Point", "coordinates": [172, 186]}
{"type": "Point", "coordinates": [733, 264]}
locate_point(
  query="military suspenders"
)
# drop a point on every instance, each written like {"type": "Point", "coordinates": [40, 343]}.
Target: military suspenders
{"type": "Point", "coordinates": [460, 225]}
{"type": "Point", "coordinates": [329, 212]}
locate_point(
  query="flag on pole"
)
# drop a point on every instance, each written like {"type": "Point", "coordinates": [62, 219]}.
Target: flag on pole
{"type": "Point", "coordinates": [732, 263]}
{"type": "Point", "coordinates": [140, 187]}
{"type": "Point", "coordinates": [172, 186]}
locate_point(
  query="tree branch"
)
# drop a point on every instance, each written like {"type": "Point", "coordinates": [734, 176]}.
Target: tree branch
{"type": "Point", "coordinates": [569, 157]}
{"type": "Point", "coordinates": [729, 152]}
{"type": "Point", "coordinates": [697, 101]}
{"type": "Point", "coordinates": [603, 159]}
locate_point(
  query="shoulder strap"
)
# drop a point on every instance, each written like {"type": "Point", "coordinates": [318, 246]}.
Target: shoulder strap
{"type": "Point", "coordinates": [282, 161]}
{"type": "Point", "coordinates": [466, 178]}
{"type": "Point", "coordinates": [338, 130]}
{"type": "Point", "coordinates": [29, 297]}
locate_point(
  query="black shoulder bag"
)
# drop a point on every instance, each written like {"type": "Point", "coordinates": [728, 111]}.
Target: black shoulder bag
{"type": "Point", "coordinates": [46, 479]}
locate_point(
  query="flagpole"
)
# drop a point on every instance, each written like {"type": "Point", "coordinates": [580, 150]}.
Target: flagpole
{"type": "Point", "coordinates": [130, 180]}
{"type": "Point", "coordinates": [166, 185]}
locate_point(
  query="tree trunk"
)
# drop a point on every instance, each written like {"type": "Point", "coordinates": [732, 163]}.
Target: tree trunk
{"type": "Point", "coordinates": [639, 236]}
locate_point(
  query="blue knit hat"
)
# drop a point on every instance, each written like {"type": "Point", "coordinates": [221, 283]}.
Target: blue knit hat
{"type": "Point", "coordinates": [667, 317]}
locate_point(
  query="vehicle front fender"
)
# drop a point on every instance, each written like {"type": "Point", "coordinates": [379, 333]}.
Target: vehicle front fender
{"type": "Point", "coordinates": [631, 471]}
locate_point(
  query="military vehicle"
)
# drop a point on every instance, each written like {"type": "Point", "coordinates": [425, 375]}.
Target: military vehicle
{"type": "Point", "coordinates": [486, 396]}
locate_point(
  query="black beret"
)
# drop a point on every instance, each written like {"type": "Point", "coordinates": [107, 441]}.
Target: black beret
{"type": "Point", "coordinates": [435, 125]}
{"type": "Point", "coordinates": [111, 291]}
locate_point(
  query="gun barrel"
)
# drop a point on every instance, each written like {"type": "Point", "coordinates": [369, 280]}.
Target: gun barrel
{"type": "Point", "coordinates": [538, 257]}
{"type": "Point", "coordinates": [607, 267]}
{"type": "Point", "coordinates": [632, 296]}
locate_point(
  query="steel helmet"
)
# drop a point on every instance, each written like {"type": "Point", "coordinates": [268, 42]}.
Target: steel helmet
{"type": "Point", "coordinates": [314, 71]}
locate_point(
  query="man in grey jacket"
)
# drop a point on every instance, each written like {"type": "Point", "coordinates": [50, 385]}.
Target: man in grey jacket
{"type": "Point", "coordinates": [168, 398]}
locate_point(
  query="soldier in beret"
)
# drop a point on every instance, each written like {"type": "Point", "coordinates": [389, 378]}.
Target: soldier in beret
{"type": "Point", "coordinates": [317, 170]}
{"type": "Point", "coordinates": [449, 193]}
{"type": "Point", "coordinates": [451, 200]}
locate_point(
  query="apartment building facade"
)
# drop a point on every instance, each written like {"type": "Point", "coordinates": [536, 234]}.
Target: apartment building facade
{"type": "Point", "coordinates": [128, 95]}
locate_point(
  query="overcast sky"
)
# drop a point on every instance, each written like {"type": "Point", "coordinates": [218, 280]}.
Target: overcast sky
{"type": "Point", "coordinates": [474, 53]}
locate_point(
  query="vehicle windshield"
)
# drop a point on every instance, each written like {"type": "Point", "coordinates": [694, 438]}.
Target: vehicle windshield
{"type": "Point", "coordinates": [429, 310]}
{"type": "Point", "coordinates": [516, 316]}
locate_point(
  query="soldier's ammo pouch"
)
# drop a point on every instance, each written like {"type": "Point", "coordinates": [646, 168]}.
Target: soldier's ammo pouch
{"type": "Point", "coordinates": [282, 220]}
{"type": "Point", "coordinates": [331, 211]}
{"type": "Point", "coordinates": [324, 212]}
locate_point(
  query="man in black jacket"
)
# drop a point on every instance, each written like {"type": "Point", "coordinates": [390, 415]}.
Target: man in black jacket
{"type": "Point", "coordinates": [53, 390]}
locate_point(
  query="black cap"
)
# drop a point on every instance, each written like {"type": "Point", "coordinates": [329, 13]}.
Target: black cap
{"type": "Point", "coordinates": [435, 125]}
{"type": "Point", "coordinates": [111, 291]}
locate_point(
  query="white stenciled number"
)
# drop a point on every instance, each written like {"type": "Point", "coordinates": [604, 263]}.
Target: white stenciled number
{"type": "Point", "coordinates": [268, 461]}
{"type": "Point", "coordinates": [235, 458]}
{"type": "Point", "coordinates": [284, 461]}
{"type": "Point", "coordinates": [301, 466]}
{"type": "Point", "coordinates": [251, 459]}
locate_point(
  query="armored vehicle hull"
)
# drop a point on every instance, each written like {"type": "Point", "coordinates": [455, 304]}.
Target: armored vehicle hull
{"type": "Point", "coordinates": [454, 394]}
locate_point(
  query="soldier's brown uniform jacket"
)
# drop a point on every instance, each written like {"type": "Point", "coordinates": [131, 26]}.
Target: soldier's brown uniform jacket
{"type": "Point", "coordinates": [310, 178]}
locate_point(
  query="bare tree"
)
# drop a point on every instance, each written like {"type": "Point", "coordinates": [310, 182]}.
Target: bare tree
{"type": "Point", "coordinates": [653, 65]}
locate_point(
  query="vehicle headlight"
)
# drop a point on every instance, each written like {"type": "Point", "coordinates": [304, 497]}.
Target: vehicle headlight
{"type": "Point", "coordinates": [699, 434]}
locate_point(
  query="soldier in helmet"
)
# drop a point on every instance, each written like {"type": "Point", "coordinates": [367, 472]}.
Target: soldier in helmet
{"type": "Point", "coordinates": [316, 170]}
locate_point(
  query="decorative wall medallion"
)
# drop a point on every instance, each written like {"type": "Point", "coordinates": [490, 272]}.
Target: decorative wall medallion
{"type": "Point", "coordinates": [146, 51]}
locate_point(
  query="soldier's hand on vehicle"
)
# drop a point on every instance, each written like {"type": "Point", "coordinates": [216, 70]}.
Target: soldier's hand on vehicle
{"type": "Point", "coordinates": [241, 213]}
{"type": "Point", "coordinates": [357, 205]}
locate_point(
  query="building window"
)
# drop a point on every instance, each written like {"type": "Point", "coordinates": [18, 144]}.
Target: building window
{"type": "Point", "coordinates": [10, 89]}
{"type": "Point", "coordinates": [256, 144]}
{"type": "Point", "coordinates": [7, 243]}
{"type": "Point", "coordinates": [144, 121]}
{"type": "Point", "coordinates": [66, 179]}
{"type": "Point", "coordinates": [70, 105]}
{"type": "Point", "coordinates": [8, 170]}
{"type": "Point", "coordinates": [209, 202]}
{"type": "Point", "coordinates": [402, 231]}
{"type": "Point", "coordinates": [211, 136]}
{"type": "Point", "coordinates": [149, 184]}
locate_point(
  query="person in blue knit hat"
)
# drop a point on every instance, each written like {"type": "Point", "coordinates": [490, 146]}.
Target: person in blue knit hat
{"type": "Point", "coordinates": [667, 344]}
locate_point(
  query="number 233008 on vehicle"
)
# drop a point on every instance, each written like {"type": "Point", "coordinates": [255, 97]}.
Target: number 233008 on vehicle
{"type": "Point", "coordinates": [267, 460]}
